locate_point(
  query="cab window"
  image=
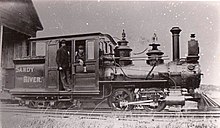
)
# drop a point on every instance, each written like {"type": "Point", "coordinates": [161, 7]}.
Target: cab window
{"type": "Point", "coordinates": [80, 49]}
{"type": "Point", "coordinates": [33, 49]}
{"type": "Point", "coordinates": [39, 49]}
{"type": "Point", "coordinates": [106, 47]}
{"type": "Point", "coordinates": [90, 49]}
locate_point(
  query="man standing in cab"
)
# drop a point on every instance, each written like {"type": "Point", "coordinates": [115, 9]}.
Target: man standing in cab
{"type": "Point", "coordinates": [63, 62]}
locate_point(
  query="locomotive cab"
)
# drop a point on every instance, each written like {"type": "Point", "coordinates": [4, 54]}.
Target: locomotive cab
{"type": "Point", "coordinates": [37, 76]}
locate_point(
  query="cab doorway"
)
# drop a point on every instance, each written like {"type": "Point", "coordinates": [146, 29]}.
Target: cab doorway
{"type": "Point", "coordinates": [65, 77]}
{"type": "Point", "coordinates": [85, 74]}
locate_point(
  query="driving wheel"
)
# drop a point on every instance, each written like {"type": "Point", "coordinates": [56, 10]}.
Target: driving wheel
{"type": "Point", "coordinates": [120, 98]}
{"type": "Point", "coordinates": [157, 97]}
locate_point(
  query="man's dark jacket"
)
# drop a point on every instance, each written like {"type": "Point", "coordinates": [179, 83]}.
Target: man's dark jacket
{"type": "Point", "coordinates": [63, 58]}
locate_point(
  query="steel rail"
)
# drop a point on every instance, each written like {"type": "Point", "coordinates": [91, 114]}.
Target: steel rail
{"type": "Point", "coordinates": [117, 114]}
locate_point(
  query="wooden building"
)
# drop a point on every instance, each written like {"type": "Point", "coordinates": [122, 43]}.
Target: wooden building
{"type": "Point", "coordinates": [18, 22]}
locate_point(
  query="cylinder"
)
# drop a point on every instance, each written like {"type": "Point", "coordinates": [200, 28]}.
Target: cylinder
{"type": "Point", "coordinates": [175, 100]}
{"type": "Point", "coordinates": [175, 36]}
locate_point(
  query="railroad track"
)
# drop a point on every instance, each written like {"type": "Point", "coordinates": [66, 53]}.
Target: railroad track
{"type": "Point", "coordinates": [102, 113]}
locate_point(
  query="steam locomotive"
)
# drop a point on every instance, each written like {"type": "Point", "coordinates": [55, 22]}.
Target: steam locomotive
{"type": "Point", "coordinates": [110, 74]}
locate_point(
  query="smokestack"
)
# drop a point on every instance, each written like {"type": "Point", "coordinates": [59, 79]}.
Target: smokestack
{"type": "Point", "coordinates": [175, 34]}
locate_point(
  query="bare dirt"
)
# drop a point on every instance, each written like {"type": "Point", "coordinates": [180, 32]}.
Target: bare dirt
{"type": "Point", "coordinates": [40, 121]}
{"type": "Point", "coordinates": [13, 120]}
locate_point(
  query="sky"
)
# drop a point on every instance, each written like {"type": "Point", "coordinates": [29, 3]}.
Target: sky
{"type": "Point", "coordinates": [141, 19]}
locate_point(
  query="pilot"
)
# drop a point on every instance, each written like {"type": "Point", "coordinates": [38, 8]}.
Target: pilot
{"type": "Point", "coordinates": [63, 62]}
{"type": "Point", "coordinates": [80, 57]}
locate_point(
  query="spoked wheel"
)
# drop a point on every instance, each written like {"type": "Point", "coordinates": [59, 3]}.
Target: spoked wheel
{"type": "Point", "coordinates": [157, 97]}
{"type": "Point", "coordinates": [119, 99]}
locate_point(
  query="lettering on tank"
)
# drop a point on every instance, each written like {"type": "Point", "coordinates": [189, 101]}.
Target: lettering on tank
{"type": "Point", "coordinates": [28, 79]}
{"type": "Point", "coordinates": [29, 76]}
{"type": "Point", "coordinates": [24, 69]}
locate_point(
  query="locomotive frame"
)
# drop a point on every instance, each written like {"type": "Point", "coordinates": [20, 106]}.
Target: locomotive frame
{"type": "Point", "coordinates": [38, 82]}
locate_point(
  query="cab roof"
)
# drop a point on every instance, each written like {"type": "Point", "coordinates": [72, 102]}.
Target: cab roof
{"type": "Point", "coordinates": [74, 36]}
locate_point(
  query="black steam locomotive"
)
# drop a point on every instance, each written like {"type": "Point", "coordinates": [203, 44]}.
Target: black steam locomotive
{"type": "Point", "coordinates": [110, 73]}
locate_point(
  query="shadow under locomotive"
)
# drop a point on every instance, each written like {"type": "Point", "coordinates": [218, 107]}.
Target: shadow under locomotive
{"type": "Point", "coordinates": [110, 73]}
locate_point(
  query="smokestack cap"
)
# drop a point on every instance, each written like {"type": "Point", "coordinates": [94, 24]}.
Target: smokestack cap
{"type": "Point", "coordinates": [193, 35]}
{"type": "Point", "coordinates": [175, 30]}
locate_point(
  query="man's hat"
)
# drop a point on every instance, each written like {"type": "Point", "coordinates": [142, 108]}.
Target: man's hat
{"type": "Point", "coordinates": [81, 47]}
{"type": "Point", "coordinates": [63, 41]}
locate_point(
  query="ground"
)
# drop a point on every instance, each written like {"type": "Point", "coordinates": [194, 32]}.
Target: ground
{"type": "Point", "coordinates": [13, 120]}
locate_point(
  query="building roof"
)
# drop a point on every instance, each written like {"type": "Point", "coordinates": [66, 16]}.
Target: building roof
{"type": "Point", "coordinates": [21, 16]}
